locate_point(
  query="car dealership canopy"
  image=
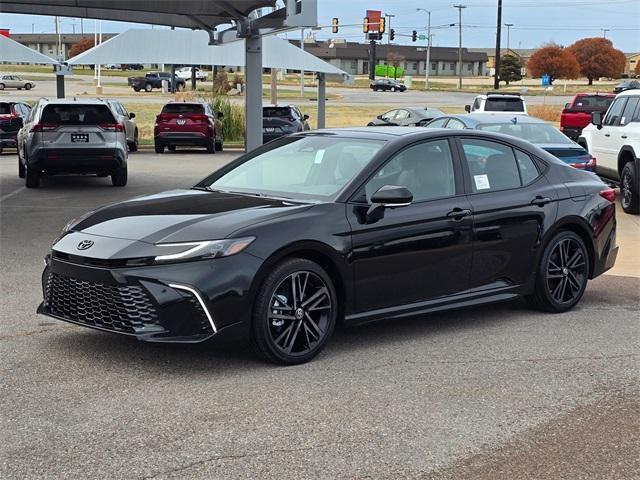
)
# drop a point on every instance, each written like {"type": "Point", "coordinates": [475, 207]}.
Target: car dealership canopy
{"type": "Point", "coordinates": [12, 51]}
{"type": "Point", "coordinates": [197, 14]}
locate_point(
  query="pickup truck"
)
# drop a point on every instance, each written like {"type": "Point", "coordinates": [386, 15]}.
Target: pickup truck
{"type": "Point", "coordinates": [154, 80]}
{"type": "Point", "coordinates": [577, 113]}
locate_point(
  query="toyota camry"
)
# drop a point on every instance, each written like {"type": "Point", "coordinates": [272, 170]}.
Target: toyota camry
{"type": "Point", "coordinates": [338, 225]}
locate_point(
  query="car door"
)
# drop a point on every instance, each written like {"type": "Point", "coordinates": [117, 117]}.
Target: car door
{"type": "Point", "coordinates": [513, 205]}
{"type": "Point", "coordinates": [606, 140]}
{"type": "Point", "coordinates": [416, 252]}
{"type": "Point", "coordinates": [403, 118]}
{"type": "Point", "coordinates": [388, 118]}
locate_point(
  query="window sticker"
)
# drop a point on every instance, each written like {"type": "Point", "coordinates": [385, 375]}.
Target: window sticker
{"type": "Point", "coordinates": [319, 156]}
{"type": "Point", "coordinates": [482, 182]}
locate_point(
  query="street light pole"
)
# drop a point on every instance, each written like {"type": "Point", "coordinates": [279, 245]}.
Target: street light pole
{"type": "Point", "coordinates": [496, 76]}
{"type": "Point", "coordinates": [388, 27]}
{"type": "Point", "coordinates": [459, 7]}
{"type": "Point", "coordinates": [428, 60]}
{"type": "Point", "coordinates": [604, 32]}
{"type": "Point", "coordinates": [508, 25]}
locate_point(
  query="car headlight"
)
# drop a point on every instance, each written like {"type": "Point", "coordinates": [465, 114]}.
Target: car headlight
{"type": "Point", "coordinates": [203, 250]}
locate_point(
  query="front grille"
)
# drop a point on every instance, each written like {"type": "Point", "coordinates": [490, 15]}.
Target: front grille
{"type": "Point", "coordinates": [203, 322]}
{"type": "Point", "coordinates": [119, 308]}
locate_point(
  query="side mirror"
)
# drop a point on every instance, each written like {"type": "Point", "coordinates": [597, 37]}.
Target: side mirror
{"type": "Point", "coordinates": [379, 117]}
{"type": "Point", "coordinates": [567, 105]}
{"type": "Point", "coordinates": [467, 108]}
{"type": "Point", "coordinates": [388, 196]}
{"type": "Point", "coordinates": [596, 119]}
{"type": "Point", "coordinates": [132, 115]}
{"type": "Point", "coordinates": [305, 117]}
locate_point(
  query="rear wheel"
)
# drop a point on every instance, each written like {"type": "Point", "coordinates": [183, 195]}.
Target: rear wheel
{"type": "Point", "coordinates": [159, 148]}
{"type": "Point", "coordinates": [136, 89]}
{"type": "Point", "coordinates": [393, 89]}
{"type": "Point", "coordinates": [32, 178]}
{"type": "Point", "coordinates": [295, 312]}
{"type": "Point", "coordinates": [629, 189]}
{"type": "Point", "coordinates": [562, 274]}
{"type": "Point", "coordinates": [180, 87]}
{"type": "Point", "coordinates": [148, 87]}
{"type": "Point", "coordinates": [211, 146]}
{"type": "Point", "coordinates": [1, 86]}
{"type": "Point", "coordinates": [21, 170]}
{"type": "Point", "coordinates": [219, 146]}
{"type": "Point", "coordinates": [119, 177]}
{"type": "Point", "coordinates": [28, 86]}
{"type": "Point", "coordinates": [133, 146]}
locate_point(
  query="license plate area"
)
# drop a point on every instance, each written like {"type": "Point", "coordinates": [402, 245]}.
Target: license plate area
{"type": "Point", "coordinates": [270, 129]}
{"type": "Point", "coordinates": [181, 121]}
{"type": "Point", "coordinates": [79, 138]}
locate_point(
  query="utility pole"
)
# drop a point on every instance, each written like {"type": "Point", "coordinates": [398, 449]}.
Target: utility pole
{"type": "Point", "coordinates": [95, 42]}
{"type": "Point", "coordinates": [388, 26]}
{"type": "Point", "coordinates": [496, 77]}
{"type": "Point", "coordinates": [58, 38]}
{"type": "Point", "coordinates": [82, 27]}
{"type": "Point", "coordinates": [460, 7]}
{"type": "Point", "coordinates": [604, 32]}
{"type": "Point", "coordinates": [274, 80]}
{"type": "Point", "coordinates": [428, 60]}
{"type": "Point", "coordinates": [508, 25]}
{"type": "Point", "coordinates": [302, 71]}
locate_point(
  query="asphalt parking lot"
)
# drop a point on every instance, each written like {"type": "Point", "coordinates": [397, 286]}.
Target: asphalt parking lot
{"type": "Point", "coordinates": [494, 392]}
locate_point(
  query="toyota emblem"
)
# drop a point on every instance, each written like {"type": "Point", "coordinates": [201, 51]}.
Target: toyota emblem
{"type": "Point", "coordinates": [85, 244]}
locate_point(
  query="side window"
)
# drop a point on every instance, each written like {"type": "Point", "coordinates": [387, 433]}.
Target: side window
{"type": "Point", "coordinates": [402, 115]}
{"type": "Point", "coordinates": [455, 124]}
{"type": "Point", "coordinates": [123, 110]}
{"type": "Point", "coordinates": [476, 104]}
{"type": "Point", "coordinates": [615, 112]}
{"type": "Point", "coordinates": [426, 169]}
{"type": "Point", "coordinates": [629, 109]}
{"type": "Point", "coordinates": [528, 170]}
{"type": "Point", "coordinates": [439, 123]}
{"type": "Point", "coordinates": [492, 166]}
{"type": "Point", "coordinates": [388, 117]}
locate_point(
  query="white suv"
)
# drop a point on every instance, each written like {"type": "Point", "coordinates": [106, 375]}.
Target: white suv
{"type": "Point", "coordinates": [615, 142]}
{"type": "Point", "coordinates": [511, 103]}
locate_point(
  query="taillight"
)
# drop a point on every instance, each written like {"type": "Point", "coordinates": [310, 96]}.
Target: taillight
{"type": "Point", "coordinates": [199, 117]}
{"type": "Point", "coordinates": [590, 162]}
{"type": "Point", "coordinates": [44, 127]}
{"type": "Point", "coordinates": [608, 194]}
{"type": "Point", "coordinates": [112, 127]}
{"type": "Point", "coordinates": [162, 118]}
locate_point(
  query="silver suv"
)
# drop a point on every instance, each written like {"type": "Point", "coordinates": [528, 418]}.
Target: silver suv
{"type": "Point", "coordinates": [72, 136]}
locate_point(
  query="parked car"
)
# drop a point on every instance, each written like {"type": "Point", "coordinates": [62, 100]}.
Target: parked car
{"type": "Point", "coordinates": [509, 103]}
{"type": "Point", "coordinates": [154, 80]}
{"type": "Point", "coordinates": [72, 136]}
{"type": "Point", "coordinates": [188, 124]}
{"type": "Point", "coordinates": [615, 140]}
{"type": "Point", "coordinates": [406, 117]}
{"type": "Point", "coordinates": [127, 120]}
{"type": "Point", "coordinates": [577, 113]}
{"type": "Point", "coordinates": [347, 225]}
{"type": "Point", "coordinates": [14, 81]}
{"type": "Point", "coordinates": [626, 85]}
{"type": "Point", "coordinates": [12, 117]}
{"type": "Point", "coordinates": [132, 66]}
{"type": "Point", "coordinates": [387, 85]}
{"type": "Point", "coordinates": [531, 129]}
{"type": "Point", "coordinates": [185, 74]}
{"type": "Point", "coordinates": [282, 120]}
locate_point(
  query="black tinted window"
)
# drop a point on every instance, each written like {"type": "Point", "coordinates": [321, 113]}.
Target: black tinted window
{"type": "Point", "coordinates": [591, 102]}
{"type": "Point", "coordinates": [182, 108]}
{"type": "Point", "coordinates": [504, 105]}
{"type": "Point", "coordinates": [614, 113]}
{"type": "Point", "coordinates": [77, 115]}
{"type": "Point", "coordinates": [5, 108]}
{"type": "Point", "coordinates": [270, 112]}
{"type": "Point", "coordinates": [629, 109]}
{"type": "Point", "coordinates": [492, 166]}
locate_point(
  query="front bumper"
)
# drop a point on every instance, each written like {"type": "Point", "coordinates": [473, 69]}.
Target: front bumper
{"type": "Point", "coordinates": [187, 302]}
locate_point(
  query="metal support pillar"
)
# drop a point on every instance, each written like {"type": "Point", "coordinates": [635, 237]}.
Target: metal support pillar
{"type": "Point", "coordinates": [372, 60]}
{"type": "Point", "coordinates": [253, 93]}
{"type": "Point", "coordinates": [60, 85]}
{"type": "Point", "coordinates": [193, 78]}
{"type": "Point", "coordinates": [322, 100]}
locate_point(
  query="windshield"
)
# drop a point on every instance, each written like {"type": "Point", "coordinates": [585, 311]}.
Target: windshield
{"type": "Point", "coordinates": [533, 132]}
{"type": "Point", "coordinates": [504, 104]}
{"type": "Point", "coordinates": [77, 114]}
{"type": "Point", "coordinates": [182, 108]}
{"type": "Point", "coordinates": [277, 112]}
{"type": "Point", "coordinates": [592, 102]}
{"type": "Point", "coordinates": [310, 167]}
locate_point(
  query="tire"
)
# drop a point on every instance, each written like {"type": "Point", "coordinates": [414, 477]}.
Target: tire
{"type": "Point", "coordinates": [219, 146]}
{"type": "Point", "coordinates": [133, 146]}
{"type": "Point", "coordinates": [28, 86]}
{"type": "Point", "coordinates": [32, 178]}
{"type": "Point", "coordinates": [629, 189]}
{"type": "Point", "coordinates": [148, 87]}
{"type": "Point", "coordinates": [119, 177]}
{"type": "Point", "coordinates": [1, 86]}
{"type": "Point", "coordinates": [393, 89]}
{"type": "Point", "coordinates": [21, 169]}
{"type": "Point", "coordinates": [179, 87]}
{"type": "Point", "coordinates": [562, 275]}
{"type": "Point", "coordinates": [211, 146]}
{"type": "Point", "coordinates": [136, 89]}
{"type": "Point", "coordinates": [159, 148]}
{"type": "Point", "coordinates": [298, 337]}
{"type": "Point", "coordinates": [172, 148]}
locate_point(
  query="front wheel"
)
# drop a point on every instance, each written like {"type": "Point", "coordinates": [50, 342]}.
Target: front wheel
{"type": "Point", "coordinates": [393, 89]}
{"type": "Point", "coordinates": [119, 177]}
{"type": "Point", "coordinates": [562, 275]}
{"type": "Point", "coordinates": [211, 146]}
{"type": "Point", "coordinates": [148, 87]}
{"type": "Point", "coordinates": [159, 148]}
{"type": "Point", "coordinates": [1, 86]}
{"type": "Point", "coordinates": [136, 89]}
{"type": "Point", "coordinates": [629, 189]}
{"type": "Point", "coordinates": [133, 146]}
{"type": "Point", "coordinates": [28, 86]}
{"type": "Point", "coordinates": [295, 312]}
{"type": "Point", "coordinates": [21, 169]}
{"type": "Point", "coordinates": [32, 178]}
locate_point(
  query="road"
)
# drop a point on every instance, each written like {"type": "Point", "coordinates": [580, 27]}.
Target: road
{"type": "Point", "coordinates": [485, 393]}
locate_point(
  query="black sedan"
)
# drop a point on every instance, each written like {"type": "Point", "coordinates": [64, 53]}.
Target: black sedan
{"type": "Point", "coordinates": [329, 226]}
{"type": "Point", "coordinates": [626, 85]}
{"type": "Point", "coordinates": [406, 117]}
{"type": "Point", "coordinates": [387, 85]}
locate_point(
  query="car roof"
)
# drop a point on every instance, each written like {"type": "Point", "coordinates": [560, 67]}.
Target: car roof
{"type": "Point", "coordinates": [73, 101]}
{"type": "Point", "coordinates": [630, 93]}
{"type": "Point", "coordinates": [478, 118]}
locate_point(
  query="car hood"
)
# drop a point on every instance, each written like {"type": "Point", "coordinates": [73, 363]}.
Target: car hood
{"type": "Point", "coordinates": [183, 216]}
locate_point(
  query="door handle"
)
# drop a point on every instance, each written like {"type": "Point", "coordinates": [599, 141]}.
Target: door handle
{"type": "Point", "coordinates": [540, 201]}
{"type": "Point", "coordinates": [459, 213]}
{"type": "Point", "coordinates": [607, 135]}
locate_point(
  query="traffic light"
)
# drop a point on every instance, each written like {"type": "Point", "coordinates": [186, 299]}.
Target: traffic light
{"type": "Point", "coordinates": [365, 25]}
{"type": "Point", "coordinates": [414, 36]}
{"type": "Point", "coordinates": [392, 35]}
{"type": "Point", "coordinates": [382, 25]}
{"type": "Point", "coordinates": [334, 25]}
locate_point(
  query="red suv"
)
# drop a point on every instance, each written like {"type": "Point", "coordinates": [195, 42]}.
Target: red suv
{"type": "Point", "coordinates": [187, 124]}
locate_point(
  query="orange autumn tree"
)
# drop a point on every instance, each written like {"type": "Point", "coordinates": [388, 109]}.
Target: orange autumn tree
{"type": "Point", "coordinates": [82, 46]}
{"type": "Point", "coordinates": [598, 58]}
{"type": "Point", "coordinates": [555, 61]}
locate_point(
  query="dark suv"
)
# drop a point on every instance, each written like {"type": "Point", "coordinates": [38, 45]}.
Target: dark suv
{"type": "Point", "coordinates": [387, 85]}
{"type": "Point", "coordinates": [280, 121]}
{"type": "Point", "coordinates": [187, 124]}
{"type": "Point", "coordinates": [12, 117]}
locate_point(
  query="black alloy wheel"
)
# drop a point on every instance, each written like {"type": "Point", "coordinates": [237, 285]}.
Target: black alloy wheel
{"type": "Point", "coordinates": [295, 313]}
{"type": "Point", "coordinates": [629, 189]}
{"type": "Point", "coordinates": [562, 275]}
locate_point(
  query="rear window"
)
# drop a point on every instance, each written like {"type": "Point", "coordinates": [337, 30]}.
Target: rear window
{"type": "Point", "coordinates": [271, 112]}
{"type": "Point", "coordinates": [77, 115]}
{"type": "Point", "coordinates": [504, 105]}
{"type": "Point", "coordinates": [591, 102]}
{"type": "Point", "coordinates": [183, 108]}
{"type": "Point", "coordinates": [537, 133]}
{"type": "Point", "coordinates": [5, 108]}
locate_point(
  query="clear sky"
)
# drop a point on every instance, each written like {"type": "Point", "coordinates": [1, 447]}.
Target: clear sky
{"type": "Point", "coordinates": [534, 21]}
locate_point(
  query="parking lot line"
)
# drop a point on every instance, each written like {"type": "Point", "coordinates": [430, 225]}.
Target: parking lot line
{"type": "Point", "coordinates": [9, 195]}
